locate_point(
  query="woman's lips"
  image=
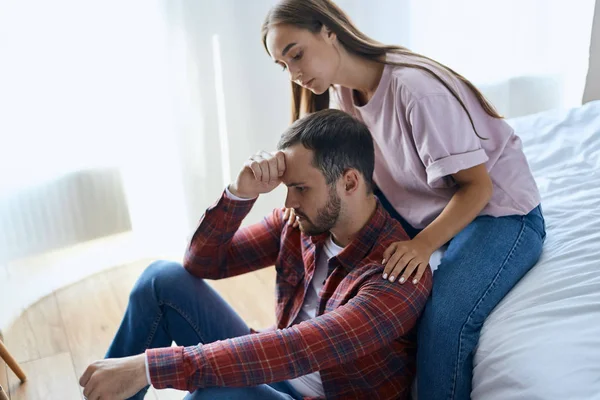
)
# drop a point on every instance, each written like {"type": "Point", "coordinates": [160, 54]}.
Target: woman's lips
{"type": "Point", "coordinates": [308, 84]}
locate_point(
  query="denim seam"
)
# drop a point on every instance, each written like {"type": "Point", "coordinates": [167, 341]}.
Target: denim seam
{"type": "Point", "coordinates": [488, 290]}
{"type": "Point", "coordinates": [153, 330]}
{"type": "Point", "coordinates": [188, 320]}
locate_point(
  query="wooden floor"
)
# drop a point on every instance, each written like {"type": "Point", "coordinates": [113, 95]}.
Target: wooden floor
{"type": "Point", "coordinates": [58, 337]}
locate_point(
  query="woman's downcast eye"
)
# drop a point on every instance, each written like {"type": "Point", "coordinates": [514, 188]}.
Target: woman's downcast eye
{"type": "Point", "coordinates": [296, 57]}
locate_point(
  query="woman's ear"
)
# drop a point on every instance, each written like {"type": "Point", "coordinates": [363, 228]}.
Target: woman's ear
{"type": "Point", "coordinates": [328, 34]}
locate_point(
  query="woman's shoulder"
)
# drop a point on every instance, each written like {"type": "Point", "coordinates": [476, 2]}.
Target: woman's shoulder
{"type": "Point", "coordinates": [406, 80]}
{"type": "Point", "coordinates": [416, 78]}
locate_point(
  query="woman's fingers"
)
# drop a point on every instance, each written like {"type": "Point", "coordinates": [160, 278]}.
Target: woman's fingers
{"type": "Point", "coordinates": [420, 271]}
{"type": "Point", "coordinates": [388, 252]}
{"type": "Point", "coordinates": [411, 266]}
{"type": "Point", "coordinates": [400, 264]}
{"type": "Point", "coordinates": [391, 265]}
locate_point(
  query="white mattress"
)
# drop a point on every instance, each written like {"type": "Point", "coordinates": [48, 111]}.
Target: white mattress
{"type": "Point", "coordinates": [543, 339]}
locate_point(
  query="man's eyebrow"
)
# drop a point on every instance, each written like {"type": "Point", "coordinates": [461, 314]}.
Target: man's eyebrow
{"type": "Point", "coordinates": [295, 184]}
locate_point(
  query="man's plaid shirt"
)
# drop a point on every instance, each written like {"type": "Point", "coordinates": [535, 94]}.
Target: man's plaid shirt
{"type": "Point", "coordinates": [362, 340]}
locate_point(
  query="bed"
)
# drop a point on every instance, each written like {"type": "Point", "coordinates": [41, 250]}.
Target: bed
{"type": "Point", "coordinates": [543, 340]}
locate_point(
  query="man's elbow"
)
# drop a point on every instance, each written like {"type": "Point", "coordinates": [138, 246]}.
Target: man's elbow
{"type": "Point", "coordinates": [200, 269]}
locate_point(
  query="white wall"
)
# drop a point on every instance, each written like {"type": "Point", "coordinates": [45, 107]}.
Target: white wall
{"type": "Point", "coordinates": [592, 87]}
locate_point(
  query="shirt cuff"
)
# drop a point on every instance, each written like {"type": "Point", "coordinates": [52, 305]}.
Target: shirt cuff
{"type": "Point", "coordinates": [452, 164]}
{"type": "Point", "coordinates": [234, 197]}
{"type": "Point", "coordinates": [147, 370]}
{"type": "Point", "coordinates": [166, 368]}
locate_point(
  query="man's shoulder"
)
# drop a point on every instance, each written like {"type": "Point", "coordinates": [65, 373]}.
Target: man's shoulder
{"type": "Point", "coordinates": [393, 230]}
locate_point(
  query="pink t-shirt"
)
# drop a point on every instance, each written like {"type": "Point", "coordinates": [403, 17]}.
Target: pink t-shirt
{"type": "Point", "coordinates": [422, 135]}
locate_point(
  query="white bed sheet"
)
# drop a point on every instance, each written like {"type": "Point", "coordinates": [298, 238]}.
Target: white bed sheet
{"type": "Point", "coordinates": [543, 340]}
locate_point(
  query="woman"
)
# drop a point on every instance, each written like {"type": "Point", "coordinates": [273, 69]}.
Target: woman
{"type": "Point", "coordinates": [448, 166]}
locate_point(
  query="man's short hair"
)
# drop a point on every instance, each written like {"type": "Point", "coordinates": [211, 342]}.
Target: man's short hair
{"type": "Point", "coordinates": [338, 141]}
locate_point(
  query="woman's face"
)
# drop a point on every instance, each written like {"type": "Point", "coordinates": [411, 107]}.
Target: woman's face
{"type": "Point", "coordinates": [311, 58]}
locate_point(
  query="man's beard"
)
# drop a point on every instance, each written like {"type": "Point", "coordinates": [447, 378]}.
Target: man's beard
{"type": "Point", "coordinates": [326, 218]}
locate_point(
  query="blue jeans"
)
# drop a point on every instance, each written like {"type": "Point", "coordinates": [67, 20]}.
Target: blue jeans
{"type": "Point", "coordinates": [480, 266]}
{"type": "Point", "coordinates": [169, 304]}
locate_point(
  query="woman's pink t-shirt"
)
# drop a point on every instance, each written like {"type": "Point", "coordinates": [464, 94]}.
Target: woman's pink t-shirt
{"type": "Point", "coordinates": [422, 135]}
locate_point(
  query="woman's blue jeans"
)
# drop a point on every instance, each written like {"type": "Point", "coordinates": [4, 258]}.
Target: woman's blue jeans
{"type": "Point", "coordinates": [169, 304]}
{"type": "Point", "coordinates": [480, 266]}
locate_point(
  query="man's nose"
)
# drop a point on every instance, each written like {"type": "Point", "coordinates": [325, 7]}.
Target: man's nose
{"type": "Point", "coordinates": [290, 200]}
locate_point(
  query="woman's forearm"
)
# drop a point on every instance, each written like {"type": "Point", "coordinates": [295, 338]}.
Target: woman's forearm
{"type": "Point", "coordinates": [465, 205]}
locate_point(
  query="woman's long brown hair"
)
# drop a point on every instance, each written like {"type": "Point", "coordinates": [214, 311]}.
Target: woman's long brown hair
{"type": "Point", "coordinates": [314, 14]}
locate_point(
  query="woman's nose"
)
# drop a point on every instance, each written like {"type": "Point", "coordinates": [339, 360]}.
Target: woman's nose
{"type": "Point", "coordinates": [296, 75]}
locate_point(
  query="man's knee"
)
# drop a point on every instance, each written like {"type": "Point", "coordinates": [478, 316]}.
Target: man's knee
{"type": "Point", "coordinates": [157, 276]}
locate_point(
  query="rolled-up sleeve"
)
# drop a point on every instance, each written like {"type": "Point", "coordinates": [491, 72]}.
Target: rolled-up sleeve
{"type": "Point", "coordinates": [444, 137]}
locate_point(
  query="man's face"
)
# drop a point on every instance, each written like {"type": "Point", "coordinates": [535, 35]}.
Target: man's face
{"type": "Point", "coordinates": [316, 204]}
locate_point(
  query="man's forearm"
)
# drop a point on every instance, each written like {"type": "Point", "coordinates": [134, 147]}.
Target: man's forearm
{"type": "Point", "coordinates": [313, 345]}
{"type": "Point", "coordinates": [206, 255]}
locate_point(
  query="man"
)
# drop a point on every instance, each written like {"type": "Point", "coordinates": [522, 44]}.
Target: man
{"type": "Point", "coordinates": [342, 330]}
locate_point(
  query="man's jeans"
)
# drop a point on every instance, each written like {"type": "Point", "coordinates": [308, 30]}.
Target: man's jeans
{"type": "Point", "coordinates": [169, 304]}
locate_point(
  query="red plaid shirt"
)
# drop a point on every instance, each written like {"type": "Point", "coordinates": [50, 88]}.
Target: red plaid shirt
{"type": "Point", "coordinates": [362, 340]}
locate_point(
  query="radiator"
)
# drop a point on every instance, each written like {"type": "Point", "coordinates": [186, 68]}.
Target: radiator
{"type": "Point", "coordinates": [74, 208]}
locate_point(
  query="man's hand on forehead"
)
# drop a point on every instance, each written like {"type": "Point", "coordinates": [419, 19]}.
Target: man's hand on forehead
{"type": "Point", "coordinates": [267, 167]}
{"type": "Point", "coordinates": [260, 174]}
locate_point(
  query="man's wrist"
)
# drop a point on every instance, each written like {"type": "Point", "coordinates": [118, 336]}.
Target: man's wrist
{"type": "Point", "coordinates": [147, 369]}
{"type": "Point", "coordinates": [232, 189]}
{"type": "Point", "coordinates": [139, 379]}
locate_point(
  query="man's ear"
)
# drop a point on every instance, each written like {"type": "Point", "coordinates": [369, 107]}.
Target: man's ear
{"type": "Point", "coordinates": [351, 179]}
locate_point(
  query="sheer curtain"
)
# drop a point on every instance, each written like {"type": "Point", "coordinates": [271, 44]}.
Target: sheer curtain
{"type": "Point", "coordinates": [86, 85]}
{"type": "Point", "coordinates": [173, 94]}
{"type": "Point", "coordinates": [229, 97]}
